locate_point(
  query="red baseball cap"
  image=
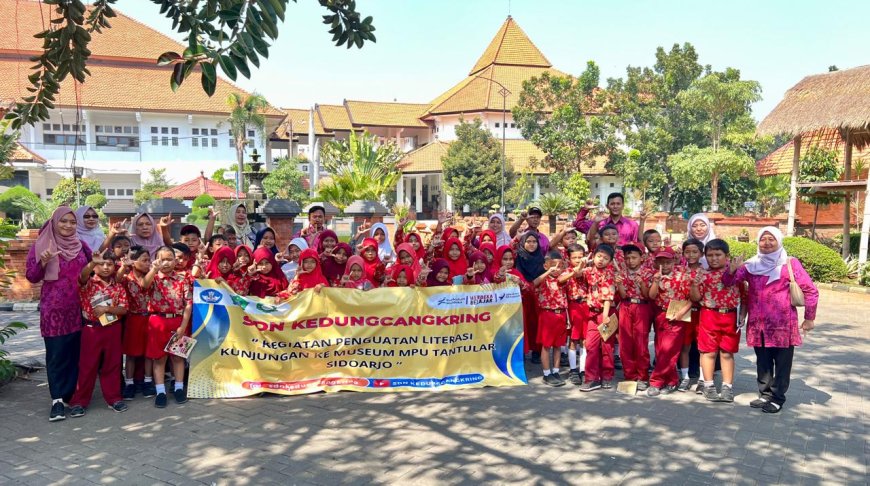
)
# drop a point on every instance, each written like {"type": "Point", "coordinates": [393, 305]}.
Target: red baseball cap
{"type": "Point", "coordinates": [665, 252]}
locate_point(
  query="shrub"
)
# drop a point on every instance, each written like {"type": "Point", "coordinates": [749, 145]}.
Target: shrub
{"type": "Point", "coordinates": [96, 201]}
{"type": "Point", "coordinates": [10, 196]}
{"type": "Point", "coordinates": [203, 201]}
{"type": "Point", "coordinates": [822, 263]}
{"type": "Point", "coordinates": [864, 276]}
{"type": "Point", "coordinates": [854, 243]}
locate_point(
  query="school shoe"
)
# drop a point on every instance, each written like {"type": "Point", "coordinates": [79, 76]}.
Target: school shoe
{"type": "Point", "coordinates": [553, 381]}
{"type": "Point", "coordinates": [129, 392]}
{"type": "Point", "coordinates": [710, 393]}
{"type": "Point", "coordinates": [180, 395]}
{"type": "Point", "coordinates": [653, 391]}
{"type": "Point", "coordinates": [77, 411]}
{"type": "Point", "coordinates": [759, 402]}
{"type": "Point", "coordinates": [607, 384]}
{"type": "Point", "coordinates": [699, 387]}
{"type": "Point", "coordinates": [118, 406]}
{"type": "Point", "coordinates": [684, 385]}
{"type": "Point", "coordinates": [667, 390]}
{"type": "Point", "coordinates": [574, 377]}
{"type": "Point", "coordinates": [727, 394]}
{"type": "Point", "coordinates": [642, 385]}
{"type": "Point", "coordinates": [590, 386]}
{"type": "Point", "coordinates": [160, 400]}
{"type": "Point", "coordinates": [58, 412]}
{"type": "Point", "coordinates": [771, 407]}
{"type": "Point", "coordinates": [149, 389]}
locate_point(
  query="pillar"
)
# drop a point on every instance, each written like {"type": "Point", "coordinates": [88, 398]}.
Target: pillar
{"type": "Point", "coordinates": [400, 190]}
{"type": "Point", "coordinates": [537, 189]}
{"type": "Point", "coordinates": [795, 172]}
{"type": "Point", "coordinates": [418, 197]}
{"type": "Point", "coordinates": [847, 201]}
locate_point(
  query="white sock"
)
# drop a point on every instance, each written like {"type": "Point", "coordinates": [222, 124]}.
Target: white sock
{"type": "Point", "coordinates": [546, 372]}
{"type": "Point", "coordinates": [128, 381]}
{"type": "Point", "coordinates": [684, 373]}
{"type": "Point", "coordinates": [726, 384]}
{"type": "Point", "coordinates": [148, 379]}
{"type": "Point", "coordinates": [160, 388]}
{"type": "Point", "coordinates": [555, 371]}
{"type": "Point", "coordinates": [57, 400]}
{"type": "Point", "coordinates": [582, 363]}
{"type": "Point", "coordinates": [179, 385]}
{"type": "Point", "coordinates": [572, 359]}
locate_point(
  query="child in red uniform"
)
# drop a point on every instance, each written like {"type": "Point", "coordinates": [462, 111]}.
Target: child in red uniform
{"type": "Point", "coordinates": [718, 331]}
{"type": "Point", "coordinates": [375, 270]}
{"type": "Point", "coordinates": [578, 314]}
{"type": "Point", "coordinates": [309, 275]}
{"type": "Point", "coordinates": [635, 317]}
{"type": "Point", "coordinates": [221, 267]}
{"type": "Point", "coordinates": [355, 275]}
{"type": "Point", "coordinates": [455, 256]}
{"type": "Point", "coordinates": [132, 276]}
{"type": "Point", "coordinates": [267, 279]}
{"type": "Point", "coordinates": [334, 264]}
{"type": "Point", "coordinates": [652, 241]}
{"type": "Point", "coordinates": [601, 293]}
{"type": "Point", "coordinates": [693, 250]}
{"type": "Point", "coordinates": [478, 271]}
{"type": "Point", "coordinates": [170, 306]}
{"type": "Point", "coordinates": [668, 284]}
{"type": "Point", "coordinates": [100, 343]}
{"type": "Point", "coordinates": [552, 314]}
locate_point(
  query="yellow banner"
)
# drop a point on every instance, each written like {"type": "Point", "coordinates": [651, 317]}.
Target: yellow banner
{"type": "Point", "coordinates": [390, 339]}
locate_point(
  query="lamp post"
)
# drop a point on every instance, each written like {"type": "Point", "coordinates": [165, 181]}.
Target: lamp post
{"type": "Point", "coordinates": [504, 93]}
{"type": "Point", "coordinates": [77, 177]}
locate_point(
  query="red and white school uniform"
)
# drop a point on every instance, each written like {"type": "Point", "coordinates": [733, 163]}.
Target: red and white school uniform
{"type": "Point", "coordinates": [635, 320]}
{"type": "Point", "coordinates": [578, 309]}
{"type": "Point", "coordinates": [718, 317]}
{"type": "Point", "coordinates": [690, 334]}
{"type": "Point", "coordinates": [170, 294]}
{"type": "Point", "coordinates": [552, 312]}
{"type": "Point", "coordinates": [601, 285]}
{"type": "Point", "coordinates": [669, 334]}
{"type": "Point", "coordinates": [136, 320]}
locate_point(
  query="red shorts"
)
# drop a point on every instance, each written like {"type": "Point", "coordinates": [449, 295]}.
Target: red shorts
{"type": "Point", "coordinates": [691, 328]}
{"type": "Point", "coordinates": [718, 331]}
{"type": "Point", "coordinates": [135, 334]}
{"type": "Point", "coordinates": [160, 330]}
{"type": "Point", "coordinates": [551, 328]}
{"type": "Point", "coordinates": [578, 314]}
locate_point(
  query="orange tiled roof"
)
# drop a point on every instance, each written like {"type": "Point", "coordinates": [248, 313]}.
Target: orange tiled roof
{"type": "Point", "coordinates": [334, 117]}
{"type": "Point", "coordinates": [511, 46]}
{"type": "Point", "coordinates": [779, 161]}
{"type": "Point", "coordinates": [519, 152]}
{"type": "Point", "coordinates": [373, 113]}
{"type": "Point", "coordinates": [201, 185]}
{"type": "Point", "coordinates": [299, 119]}
{"type": "Point", "coordinates": [20, 153]}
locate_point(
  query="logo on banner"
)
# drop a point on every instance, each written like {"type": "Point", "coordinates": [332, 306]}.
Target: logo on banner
{"type": "Point", "coordinates": [210, 296]}
{"type": "Point", "coordinates": [509, 295]}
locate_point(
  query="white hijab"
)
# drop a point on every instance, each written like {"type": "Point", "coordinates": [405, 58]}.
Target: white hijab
{"type": "Point", "coordinates": [244, 233]}
{"type": "Point", "coordinates": [711, 233]}
{"type": "Point", "coordinates": [385, 249]}
{"type": "Point", "coordinates": [290, 268]}
{"type": "Point", "coordinates": [502, 238]}
{"type": "Point", "coordinates": [769, 264]}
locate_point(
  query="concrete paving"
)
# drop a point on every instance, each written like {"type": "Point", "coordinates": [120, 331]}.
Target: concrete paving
{"type": "Point", "coordinates": [520, 435]}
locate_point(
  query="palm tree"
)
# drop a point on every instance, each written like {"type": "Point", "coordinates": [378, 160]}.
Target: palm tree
{"type": "Point", "coordinates": [245, 113]}
{"type": "Point", "coordinates": [553, 204]}
{"type": "Point", "coordinates": [361, 169]}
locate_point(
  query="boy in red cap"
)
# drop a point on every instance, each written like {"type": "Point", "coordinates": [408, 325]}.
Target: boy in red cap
{"type": "Point", "coordinates": [668, 284]}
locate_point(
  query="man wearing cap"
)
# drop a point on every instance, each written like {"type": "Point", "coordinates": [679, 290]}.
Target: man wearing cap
{"type": "Point", "coordinates": [626, 227]}
{"type": "Point", "coordinates": [533, 218]}
{"type": "Point", "coordinates": [316, 225]}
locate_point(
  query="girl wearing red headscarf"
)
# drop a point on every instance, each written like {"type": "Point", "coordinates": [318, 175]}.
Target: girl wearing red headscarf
{"type": "Point", "coordinates": [334, 264]}
{"type": "Point", "coordinates": [309, 275]}
{"type": "Point", "coordinates": [455, 256]}
{"type": "Point", "coordinates": [488, 249]}
{"type": "Point", "coordinates": [416, 243]}
{"type": "Point", "coordinates": [355, 275]}
{"type": "Point", "coordinates": [478, 272]}
{"type": "Point", "coordinates": [438, 276]}
{"type": "Point", "coordinates": [221, 266]}
{"type": "Point", "coordinates": [244, 258]}
{"type": "Point", "coordinates": [267, 279]}
{"type": "Point", "coordinates": [400, 276]}
{"type": "Point", "coordinates": [374, 268]}
{"type": "Point", "coordinates": [408, 257]}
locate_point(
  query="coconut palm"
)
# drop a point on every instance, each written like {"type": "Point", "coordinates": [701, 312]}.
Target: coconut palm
{"type": "Point", "coordinates": [245, 112]}
{"type": "Point", "coordinates": [553, 204]}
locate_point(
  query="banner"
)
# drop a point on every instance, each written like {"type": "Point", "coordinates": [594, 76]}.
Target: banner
{"type": "Point", "coordinates": [382, 340]}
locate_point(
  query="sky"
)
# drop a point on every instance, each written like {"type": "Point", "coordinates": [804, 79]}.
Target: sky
{"type": "Point", "coordinates": [424, 47]}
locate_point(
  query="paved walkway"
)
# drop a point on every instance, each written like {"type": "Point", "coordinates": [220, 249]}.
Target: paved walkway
{"type": "Point", "coordinates": [521, 435]}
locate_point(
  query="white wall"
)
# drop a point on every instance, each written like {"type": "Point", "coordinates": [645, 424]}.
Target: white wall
{"type": "Point", "coordinates": [446, 125]}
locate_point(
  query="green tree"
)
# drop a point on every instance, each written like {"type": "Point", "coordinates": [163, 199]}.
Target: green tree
{"type": "Point", "coordinates": [574, 186]}
{"type": "Point", "coordinates": [199, 208]}
{"type": "Point", "coordinates": [569, 119]}
{"type": "Point", "coordinates": [245, 113]}
{"type": "Point", "coordinates": [228, 34]}
{"type": "Point", "coordinates": [692, 167]}
{"type": "Point", "coordinates": [819, 165]}
{"type": "Point", "coordinates": [96, 201]}
{"type": "Point", "coordinates": [10, 201]}
{"type": "Point", "coordinates": [555, 203]}
{"type": "Point", "coordinates": [361, 168]}
{"type": "Point", "coordinates": [472, 167]}
{"type": "Point", "coordinates": [65, 190]}
{"type": "Point", "coordinates": [220, 175]}
{"type": "Point", "coordinates": [285, 180]}
{"type": "Point", "coordinates": [772, 194]}
{"type": "Point", "coordinates": [157, 183]}
{"type": "Point", "coordinates": [520, 192]}
{"type": "Point", "coordinates": [8, 139]}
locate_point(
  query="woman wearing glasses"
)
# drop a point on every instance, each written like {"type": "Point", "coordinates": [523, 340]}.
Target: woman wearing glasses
{"type": "Point", "coordinates": [88, 228]}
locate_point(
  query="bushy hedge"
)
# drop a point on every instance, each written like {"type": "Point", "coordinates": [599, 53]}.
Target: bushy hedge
{"type": "Point", "coordinates": [854, 243]}
{"type": "Point", "coordinates": [822, 263]}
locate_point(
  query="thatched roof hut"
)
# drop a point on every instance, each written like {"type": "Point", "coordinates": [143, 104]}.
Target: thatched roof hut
{"type": "Point", "coordinates": [838, 100]}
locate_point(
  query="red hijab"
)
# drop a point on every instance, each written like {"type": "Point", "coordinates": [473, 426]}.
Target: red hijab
{"type": "Point", "coordinates": [445, 235]}
{"type": "Point", "coordinates": [458, 266]}
{"type": "Point", "coordinates": [364, 282]}
{"type": "Point", "coordinates": [212, 270]}
{"type": "Point", "coordinates": [268, 284]}
{"type": "Point", "coordinates": [309, 280]}
{"type": "Point", "coordinates": [490, 247]}
{"type": "Point", "coordinates": [415, 262]}
{"type": "Point", "coordinates": [323, 235]}
{"type": "Point", "coordinates": [333, 270]}
{"type": "Point", "coordinates": [491, 235]}
{"type": "Point", "coordinates": [421, 253]}
{"type": "Point", "coordinates": [499, 254]}
{"type": "Point", "coordinates": [247, 249]}
{"type": "Point", "coordinates": [437, 265]}
{"type": "Point", "coordinates": [485, 276]}
{"type": "Point", "coordinates": [395, 270]}
{"type": "Point", "coordinates": [370, 267]}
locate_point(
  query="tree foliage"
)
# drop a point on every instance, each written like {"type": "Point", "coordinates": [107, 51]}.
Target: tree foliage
{"type": "Point", "coordinates": [157, 183]}
{"type": "Point", "coordinates": [555, 203]}
{"type": "Point", "coordinates": [820, 165]}
{"type": "Point", "coordinates": [228, 34]}
{"type": "Point", "coordinates": [245, 112]}
{"type": "Point", "coordinates": [361, 168]}
{"type": "Point", "coordinates": [96, 201]}
{"type": "Point", "coordinates": [65, 191]}
{"type": "Point", "coordinates": [472, 167]}
{"type": "Point", "coordinates": [693, 167]}
{"type": "Point", "coordinates": [285, 181]}
{"type": "Point", "coordinates": [10, 200]}
{"type": "Point", "coordinates": [574, 186]}
{"type": "Point", "coordinates": [772, 194]}
{"type": "Point", "coordinates": [8, 140]}
{"type": "Point", "coordinates": [570, 119]}
{"type": "Point", "coordinates": [520, 192]}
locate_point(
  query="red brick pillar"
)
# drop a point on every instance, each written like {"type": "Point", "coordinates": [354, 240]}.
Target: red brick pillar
{"type": "Point", "coordinates": [16, 260]}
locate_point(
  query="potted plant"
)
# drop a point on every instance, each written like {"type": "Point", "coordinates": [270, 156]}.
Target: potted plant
{"type": "Point", "coordinates": [743, 236]}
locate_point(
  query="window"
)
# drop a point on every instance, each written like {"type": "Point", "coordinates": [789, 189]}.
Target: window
{"type": "Point", "coordinates": [57, 134]}
{"type": "Point", "coordinates": [214, 143]}
{"type": "Point", "coordinates": [196, 131]}
{"type": "Point", "coordinates": [164, 141]}
{"type": "Point", "coordinates": [154, 140]}
{"type": "Point", "coordinates": [250, 134]}
{"type": "Point", "coordinates": [48, 192]}
{"type": "Point", "coordinates": [129, 192]}
{"type": "Point", "coordinates": [611, 184]}
{"type": "Point", "coordinates": [204, 140]}
{"type": "Point", "coordinates": [596, 185]}
{"type": "Point", "coordinates": [214, 132]}
{"type": "Point", "coordinates": [110, 192]}
{"type": "Point", "coordinates": [173, 130]}
{"type": "Point", "coordinates": [164, 130]}
{"type": "Point", "coordinates": [232, 143]}
{"type": "Point", "coordinates": [175, 141]}
{"type": "Point", "coordinates": [497, 125]}
{"type": "Point", "coordinates": [118, 137]}
{"type": "Point", "coordinates": [513, 125]}
{"type": "Point", "coordinates": [194, 142]}
{"type": "Point", "coordinates": [154, 129]}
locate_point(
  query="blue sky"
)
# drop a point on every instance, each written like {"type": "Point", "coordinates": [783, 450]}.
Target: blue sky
{"type": "Point", "coordinates": [426, 46]}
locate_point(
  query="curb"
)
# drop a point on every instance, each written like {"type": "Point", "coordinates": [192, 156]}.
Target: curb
{"type": "Point", "coordinates": [838, 287]}
{"type": "Point", "coordinates": [19, 306]}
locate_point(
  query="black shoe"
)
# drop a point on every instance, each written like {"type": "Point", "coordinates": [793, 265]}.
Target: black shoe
{"type": "Point", "coordinates": [607, 384]}
{"type": "Point", "coordinates": [118, 406]}
{"type": "Point", "coordinates": [553, 381]}
{"type": "Point", "coordinates": [160, 400]}
{"type": "Point", "coordinates": [129, 392]}
{"type": "Point", "coordinates": [77, 411]}
{"type": "Point", "coordinates": [563, 360]}
{"type": "Point", "coordinates": [667, 390]}
{"type": "Point", "coordinates": [582, 376]}
{"type": "Point", "coordinates": [536, 358]}
{"type": "Point", "coordinates": [711, 395]}
{"type": "Point", "coordinates": [699, 387]}
{"type": "Point", "coordinates": [771, 407]}
{"type": "Point", "coordinates": [653, 391]}
{"type": "Point", "coordinates": [642, 385]}
{"type": "Point", "coordinates": [727, 394]}
{"type": "Point", "coordinates": [58, 412]}
{"type": "Point", "coordinates": [617, 363]}
{"type": "Point", "coordinates": [574, 377]}
{"type": "Point", "coordinates": [180, 395]}
{"type": "Point", "coordinates": [149, 389]}
{"type": "Point", "coordinates": [684, 385]}
{"type": "Point", "coordinates": [590, 386]}
{"type": "Point", "coordinates": [759, 402]}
